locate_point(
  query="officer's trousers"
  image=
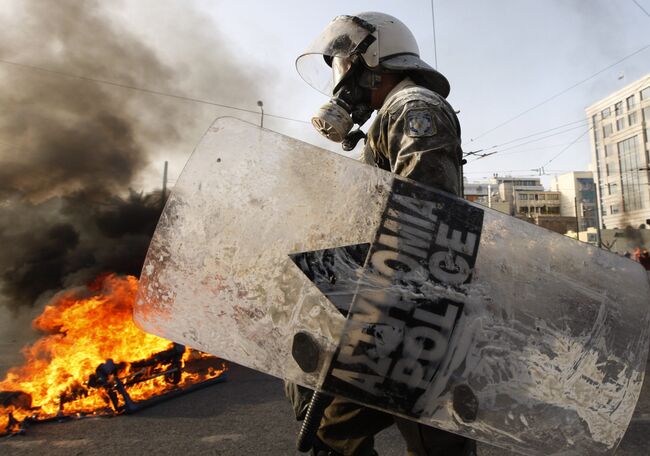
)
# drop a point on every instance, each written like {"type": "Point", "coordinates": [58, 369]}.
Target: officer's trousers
{"type": "Point", "coordinates": [349, 429]}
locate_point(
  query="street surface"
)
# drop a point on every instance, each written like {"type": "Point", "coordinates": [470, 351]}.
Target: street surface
{"type": "Point", "coordinates": [247, 414]}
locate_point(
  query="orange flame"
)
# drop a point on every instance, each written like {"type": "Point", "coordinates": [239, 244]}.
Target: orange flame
{"type": "Point", "coordinates": [84, 329]}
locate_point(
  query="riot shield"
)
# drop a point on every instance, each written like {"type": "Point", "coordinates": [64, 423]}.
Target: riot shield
{"type": "Point", "coordinates": [315, 268]}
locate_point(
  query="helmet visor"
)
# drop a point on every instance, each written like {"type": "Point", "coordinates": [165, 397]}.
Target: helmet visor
{"type": "Point", "coordinates": [344, 36]}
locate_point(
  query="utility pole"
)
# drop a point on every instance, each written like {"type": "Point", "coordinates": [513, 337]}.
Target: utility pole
{"type": "Point", "coordinates": [600, 242]}
{"type": "Point", "coordinates": [490, 196]}
{"type": "Point", "coordinates": [575, 201]}
{"type": "Point", "coordinates": [261, 105]}
{"type": "Point", "coordinates": [164, 187]}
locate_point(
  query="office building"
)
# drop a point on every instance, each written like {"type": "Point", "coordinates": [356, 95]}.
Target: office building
{"type": "Point", "coordinates": [578, 197]}
{"type": "Point", "coordinates": [525, 195]}
{"type": "Point", "coordinates": [620, 127]}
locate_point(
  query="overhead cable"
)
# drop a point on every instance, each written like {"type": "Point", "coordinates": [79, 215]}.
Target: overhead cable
{"type": "Point", "coordinates": [562, 92]}
{"type": "Point", "coordinates": [435, 46]}
{"type": "Point", "coordinates": [142, 89]}
{"type": "Point", "coordinates": [490, 151]}
{"type": "Point", "coordinates": [567, 147]}
{"type": "Point", "coordinates": [514, 152]}
{"type": "Point", "coordinates": [536, 133]}
{"type": "Point", "coordinates": [641, 8]}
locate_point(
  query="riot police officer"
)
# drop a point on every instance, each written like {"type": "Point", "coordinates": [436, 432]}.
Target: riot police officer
{"type": "Point", "coordinates": [370, 62]}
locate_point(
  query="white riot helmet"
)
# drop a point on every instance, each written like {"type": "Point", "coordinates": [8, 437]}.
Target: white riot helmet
{"type": "Point", "coordinates": [378, 42]}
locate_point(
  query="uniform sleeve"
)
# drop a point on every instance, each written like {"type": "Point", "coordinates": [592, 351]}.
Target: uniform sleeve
{"type": "Point", "coordinates": [421, 141]}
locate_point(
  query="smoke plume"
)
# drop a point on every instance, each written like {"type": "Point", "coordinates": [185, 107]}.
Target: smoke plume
{"type": "Point", "coordinates": [71, 149]}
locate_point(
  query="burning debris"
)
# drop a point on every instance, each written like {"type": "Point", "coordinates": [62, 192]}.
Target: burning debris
{"type": "Point", "coordinates": [94, 361]}
{"type": "Point", "coordinates": [71, 148]}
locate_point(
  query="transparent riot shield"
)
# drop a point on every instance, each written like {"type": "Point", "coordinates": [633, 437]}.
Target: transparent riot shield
{"type": "Point", "coordinates": [312, 267]}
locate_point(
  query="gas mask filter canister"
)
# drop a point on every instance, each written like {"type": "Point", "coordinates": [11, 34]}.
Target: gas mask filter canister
{"type": "Point", "coordinates": [333, 121]}
{"type": "Point", "coordinates": [350, 105]}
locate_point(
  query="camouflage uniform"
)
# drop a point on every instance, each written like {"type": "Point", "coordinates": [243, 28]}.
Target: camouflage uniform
{"type": "Point", "coordinates": [416, 134]}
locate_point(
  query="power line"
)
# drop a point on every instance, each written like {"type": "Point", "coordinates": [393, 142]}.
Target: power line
{"type": "Point", "coordinates": [537, 133]}
{"type": "Point", "coordinates": [562, 92]}
{"type": "Point", "coordinates": [641, 8]}
{"type": "Point", "coordinates": [433, 25]}
{"type": "Point", "coordinates": [487, 150]}
{"type": "Point", "coordinates": [533, 149]}
{"type": "Point", "coordinates": [501, 171]}
{"type": "Point", "coordinates": [544, 137]}
{"type": "Point", "coordinates": [141, 89]}
{"type": "Point", "coordinates": [567, 147]}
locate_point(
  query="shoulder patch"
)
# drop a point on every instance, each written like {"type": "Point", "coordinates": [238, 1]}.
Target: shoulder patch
{"type": "Point", "coordinates": [419, 123]}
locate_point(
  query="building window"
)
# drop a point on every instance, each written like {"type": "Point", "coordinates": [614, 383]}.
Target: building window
{"type": "Point", "coordinates": [613, 167]}
{"type": "Point", "coordinates": [607, 130]}
{"type": "Point", "coordinates": [608, 150]}
{"type": "Point", "coordinates": [605, 113]}
{"type": "Point", "coordinates": [612, 189]}
{"type": "Point", "coordinates": [618, 108]}
{"type": "Point", "coordinates": [632, 118]}
{"type": "Point", "coordinates": [584, 184]}
{"type": "Point", "coordinates": [542, 197]}
{"type": "Point", "coordinates": [646, 114]}
{"type": "Point", "coordinates": [554, 196]}
{"type": "Point", "coordinates": [523, 196]}
{"type": "Point", "coordinates": [620, 124]}
{"type": "Point", "coordinates": [645, 93]}
{"type": "Point", "coordinates": [614, 209]}
{"type": "Point", "coordinates": [630, 102]}
{"type": "Point", "coordinates": [628, 152]}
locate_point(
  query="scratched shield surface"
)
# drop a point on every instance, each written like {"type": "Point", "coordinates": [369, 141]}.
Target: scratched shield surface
{"type": "Point", "coordinates": [312, 267]}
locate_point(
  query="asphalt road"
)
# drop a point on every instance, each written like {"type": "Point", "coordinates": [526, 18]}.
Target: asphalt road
{"type": "Point", "coordinates": [247, 414]}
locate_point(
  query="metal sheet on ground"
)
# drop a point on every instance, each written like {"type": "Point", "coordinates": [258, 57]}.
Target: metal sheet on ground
{"type": "Point", "coordinates": [457, 316]}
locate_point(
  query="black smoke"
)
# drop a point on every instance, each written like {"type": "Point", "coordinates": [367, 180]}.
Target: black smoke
{"type": "Point", "coordinates": [71, 150]}
{"type": "Point", "coordinates": [67, 241]}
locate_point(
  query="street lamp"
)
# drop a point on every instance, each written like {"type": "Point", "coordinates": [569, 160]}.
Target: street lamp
{"type": "Point", "coordinates": [261, 105]}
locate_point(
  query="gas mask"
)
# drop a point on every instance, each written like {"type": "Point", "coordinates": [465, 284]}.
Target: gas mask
{"type": "Point", "coordinates": [350, 104]}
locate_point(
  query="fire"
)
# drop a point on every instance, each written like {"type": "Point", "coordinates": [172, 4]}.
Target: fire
{"type": "Point", "coordinates": [85, 328]}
